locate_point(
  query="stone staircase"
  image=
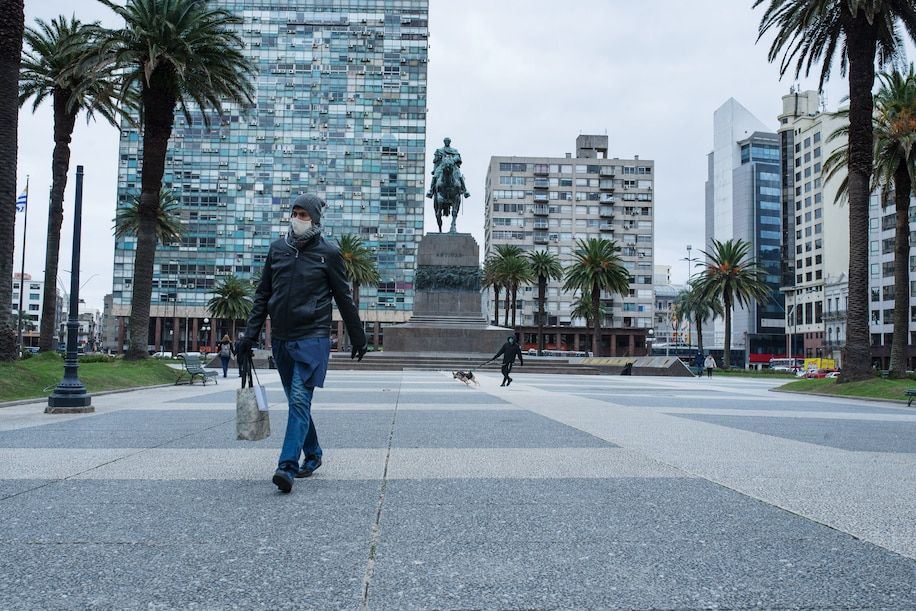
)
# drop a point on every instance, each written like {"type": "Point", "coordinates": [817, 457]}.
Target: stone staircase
{"type": "Point", "coordinates": [390, 361]}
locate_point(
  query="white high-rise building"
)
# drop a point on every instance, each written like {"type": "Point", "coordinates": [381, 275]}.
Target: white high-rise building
{"type": "Point", "coordinates": [743, 201]}
{"type": "Point", "coordinates": [816, 240]}
{"type": "Point", "coordinates": [32, 294]}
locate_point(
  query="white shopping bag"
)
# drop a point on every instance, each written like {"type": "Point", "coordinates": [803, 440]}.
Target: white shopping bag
{"type": "Point", "coordinates": [260, 393]}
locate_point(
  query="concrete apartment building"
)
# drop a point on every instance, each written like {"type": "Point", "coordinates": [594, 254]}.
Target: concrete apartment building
{"type": "Point", "coordinates": [340, 111]}
{"type": "Point", "coordinates": [550, 202]}
{"type": "Point", "coordinates": [32, 291]}
{"type": "Point", "coordinates": [743, 201]}
{"type": "Point", "coordinates": [881, 238]}
{"type": "Point", "coordinates": [816, 228]}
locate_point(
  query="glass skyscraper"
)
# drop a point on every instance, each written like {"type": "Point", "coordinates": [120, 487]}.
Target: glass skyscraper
{"type": "Point", "coordinates": [340, 111]}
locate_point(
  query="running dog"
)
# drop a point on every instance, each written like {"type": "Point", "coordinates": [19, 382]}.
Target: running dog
{"type": "Point", "coordinates": [465, 376]}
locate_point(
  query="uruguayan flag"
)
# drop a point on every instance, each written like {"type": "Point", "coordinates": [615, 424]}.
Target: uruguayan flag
{"type": "Point", "coordinates": [22, 200]}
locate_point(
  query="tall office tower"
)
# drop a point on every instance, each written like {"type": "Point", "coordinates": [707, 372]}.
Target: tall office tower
{"type": "Point", "coordinates": [882, 240]}
{"type": "Point", "coordinates": [340, 111]}
{"type": "Point", "coordinates": [743, 202]}
{"type": "Point", "coordinates": [816, 227]}
{"type": "Point", "coordinates": [550, 202]}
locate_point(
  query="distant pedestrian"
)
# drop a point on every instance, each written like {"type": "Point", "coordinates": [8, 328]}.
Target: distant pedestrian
{"type": "Point", "coordinates": [709, 364]}
{"type": "Point", "coordinates": [509, 351]}
{"type": "Point", "coordinates": [226, 352]}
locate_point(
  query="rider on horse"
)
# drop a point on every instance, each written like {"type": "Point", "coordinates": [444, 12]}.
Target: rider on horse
{"type": "Point", "coordinates": [453, 156]}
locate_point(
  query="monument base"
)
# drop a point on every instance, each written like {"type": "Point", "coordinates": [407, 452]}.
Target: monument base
{"type": "Point", "coordinates": [447, 314]}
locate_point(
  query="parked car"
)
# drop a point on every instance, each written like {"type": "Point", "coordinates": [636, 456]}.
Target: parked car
{"type": "Point", "coordinates": [833, 374]}
{"type": "Point", "coordinates": [162, 355]}
{"type": "Point", "coordinates": [819, 373]}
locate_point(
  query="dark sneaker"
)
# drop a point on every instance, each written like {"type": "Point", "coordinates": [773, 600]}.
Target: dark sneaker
{"type": "Point", "coordinates": [282, 480]}
{"type": "Point", "coordinates": [309, 466]}
{"type": "Point", "coordinates": [509, 382]}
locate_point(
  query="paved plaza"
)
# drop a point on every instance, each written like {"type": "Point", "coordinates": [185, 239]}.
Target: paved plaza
{"type": "Point", "coordinates": [557, 492]}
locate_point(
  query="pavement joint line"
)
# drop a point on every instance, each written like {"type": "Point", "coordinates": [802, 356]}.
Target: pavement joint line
{"type": "Point", "coordinates": [895, 402]}
{"type": "Point", "coordinates": [114, 460]}
{"type": "Point", "coordinates": [376, 531]}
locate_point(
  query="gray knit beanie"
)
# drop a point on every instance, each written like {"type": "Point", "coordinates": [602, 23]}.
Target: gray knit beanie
{"type": "Point", "coordinates": [311, 204]}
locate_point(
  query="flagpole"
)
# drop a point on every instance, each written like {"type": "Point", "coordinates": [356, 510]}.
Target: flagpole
{"type": "Point", "coordinates": [25, 226]}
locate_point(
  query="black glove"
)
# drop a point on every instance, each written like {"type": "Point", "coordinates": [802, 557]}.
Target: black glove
{"type": "Point", "coordinates": [359, 352]}
{"type": "Point", "coordinates": [244, 348]}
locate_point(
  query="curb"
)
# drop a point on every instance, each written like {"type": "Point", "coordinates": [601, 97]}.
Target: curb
{"type": "Point", "coordinates": [95, 394]}
{"type": "Point", "coordinates": [824, 394]}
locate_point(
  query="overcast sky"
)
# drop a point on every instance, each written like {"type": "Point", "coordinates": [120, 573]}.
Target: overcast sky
{"type": "Point", "coordinates": [514, 77]}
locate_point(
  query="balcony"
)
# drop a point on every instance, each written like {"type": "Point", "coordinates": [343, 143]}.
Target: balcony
{"type": "Point", "coordinates": [606, 185]}
{"type": "Point", "coordinates": [541, 169]}
{"type": "Point", "coordinates": [541, 197]}
{"type": "Point", "coordinates": [541, 183]}
{"type": "Point", "coordinates": [607, 171]}
{"type": "Point", "coordinates": [541, 210]}
{"type": "Point", "coordinates": [606, 212]}
{"type": "Point", "coordinates": [606, 227]}
{"type": "Point", "coordinates": [541, 224]}
{"type": "Point", "coordinates": [835, 315]}
{"type": "Point", "coordinates": [540, 237]}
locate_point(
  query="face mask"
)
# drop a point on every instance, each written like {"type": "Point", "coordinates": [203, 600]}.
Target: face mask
{"type": "Point", "coordinates": [299, 226]}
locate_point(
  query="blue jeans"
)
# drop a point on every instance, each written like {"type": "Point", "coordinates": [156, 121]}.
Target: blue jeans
{"type": "Point", "coordinates": [302, 365]}
{"type": "Point", "coordinates": [225, 362]}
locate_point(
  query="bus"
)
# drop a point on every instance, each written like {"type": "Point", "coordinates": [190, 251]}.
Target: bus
{"type": "Point", "coordinates": [787, 364]}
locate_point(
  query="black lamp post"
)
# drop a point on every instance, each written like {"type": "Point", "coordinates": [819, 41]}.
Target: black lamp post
{"type": "Point", "coordinates": [70, 396]}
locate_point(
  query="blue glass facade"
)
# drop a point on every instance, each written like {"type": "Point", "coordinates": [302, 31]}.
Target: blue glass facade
{"type": "Point", "coordinates": [340, 111]}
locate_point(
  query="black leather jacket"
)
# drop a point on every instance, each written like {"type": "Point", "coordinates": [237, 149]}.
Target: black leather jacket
{"type": "Point", "coordinates": [509, 351]}
{"type": "Point", "coordinates": [296, 289]}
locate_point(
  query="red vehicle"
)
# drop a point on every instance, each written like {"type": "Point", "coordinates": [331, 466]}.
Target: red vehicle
{"type": "Point", "coordinates": [820, 373]}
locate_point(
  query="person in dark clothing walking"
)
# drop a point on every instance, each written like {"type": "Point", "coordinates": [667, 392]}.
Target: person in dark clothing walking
{"type": "Point", "coordinates": [302, 275]}
{"type": "Point", "coordinates": [226, 352]}
{"type": "Point", "coordinates": [509, 351]}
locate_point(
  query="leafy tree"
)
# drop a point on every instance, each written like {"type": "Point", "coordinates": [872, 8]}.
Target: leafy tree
{"type": "Point", "coordinates": [693, 306]}
{"type": "Point", "coordinates": [596, 267]}
{"type": "Point", "coordinates": [545, 266]}
{"type": "Point", "coordinates": [808, 32]}
{"type": "Point", "coordinates": [169, 227]}
{"type": "Point", "coordinates": [12, 23]}
{"type": "Point", "coordinates": [731, 277]}
{"type": "Point", "coordinates": [231, 301]}
{"type": "Point", "coordinates": [178, 54]}
{"type": "Point", "coordinates": [52, 71]}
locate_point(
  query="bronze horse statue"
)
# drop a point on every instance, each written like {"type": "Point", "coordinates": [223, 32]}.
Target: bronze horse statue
{"type": "Point", "coordinates": [449, 189]}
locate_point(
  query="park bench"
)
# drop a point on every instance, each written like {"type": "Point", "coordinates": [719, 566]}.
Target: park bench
{"type": "Point", "coordinates": [910, 395]}
{"type": "Point", "coordinates": [194, 369]}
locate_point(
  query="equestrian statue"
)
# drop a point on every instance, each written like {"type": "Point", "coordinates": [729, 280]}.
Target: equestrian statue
{"type": "Point", "coordinates": [448, 184]}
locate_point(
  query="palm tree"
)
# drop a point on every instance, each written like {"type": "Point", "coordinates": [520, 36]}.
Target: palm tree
{"type": "Point", "coordinates": [545, 266]}
{"type": "Point", "coordinates": [861, 31]}
{"type": "Point", "coordinates": [231, 301]}
{"type": "Point", "coordinates": [12, 23]}
{"type": "Point", "coordinates": [894, 127]}
{"type": "Point", "coordinates": [504, 254]}
{"type": "Point", "coordinates": [582, 308]}
{"type": "Point", "coordinates": [516, 272]}
{"type": "Point", "coordinates": [491, 278]}
{"type": "Point", "coordinates": [169, 227]}
{"type": "Point", "coordinates": [596, 268]}
{"type": "Point", "coordinates": [731, 277]}
{"type": "Point", "coordinates": [359, 263]}
{"type": "Point", "coordinates": [51, 70]}
{"type": "Point", "coordinates": [177, 54]}
{"type": "Point", "coordinates": [693, 306]}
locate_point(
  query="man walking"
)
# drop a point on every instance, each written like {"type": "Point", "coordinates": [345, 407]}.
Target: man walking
{"type": "Point", "coordinates": [509, 351]}
{"type": "Point", "coordinates": [302, 273]}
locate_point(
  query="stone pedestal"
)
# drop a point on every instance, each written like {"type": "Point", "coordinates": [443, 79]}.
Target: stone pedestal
{"type": "Point", "coordinates": [447, 312]}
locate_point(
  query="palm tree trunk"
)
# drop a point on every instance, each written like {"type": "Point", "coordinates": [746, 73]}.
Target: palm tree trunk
{"type": "Point", "coordinates": [496, 291]}
{"type": "Point", "coordinates": [861, 46]}
{"type": "Point", "coordinates": [542, 288]}
{"type": "Point", "coordinates": [727, 353]}
{"type": "Point", "coordinates": [899, 357]}
{"type": "Point", "coordinates": [12, 20]}
{"type": "Point", "coordinates": [596, 318]}
{"type": "Point", "coordinates": [506, 313]}
{"type": "Point", "coordinates": [700, 334]}
{"type": "Point", "coordinates": [159, 114]}
{"type": "Point", "coordinates": [514, 302]}
{"type": "Point", "coordinates": [232, 335]}
{"type": "Point", "coordinates": [60, 165]}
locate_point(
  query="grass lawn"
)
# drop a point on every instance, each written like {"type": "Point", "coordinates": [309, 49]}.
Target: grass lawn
{"type": "Point", "coordinates": [875, 388]}
{"type": "Point", "coordinates": [37, 376]}
{"type": "Point", "coordinates": [753, 373]}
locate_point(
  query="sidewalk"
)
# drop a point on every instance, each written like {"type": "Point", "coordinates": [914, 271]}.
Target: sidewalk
{"type": "Point", "coordinates": [557, 492]}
